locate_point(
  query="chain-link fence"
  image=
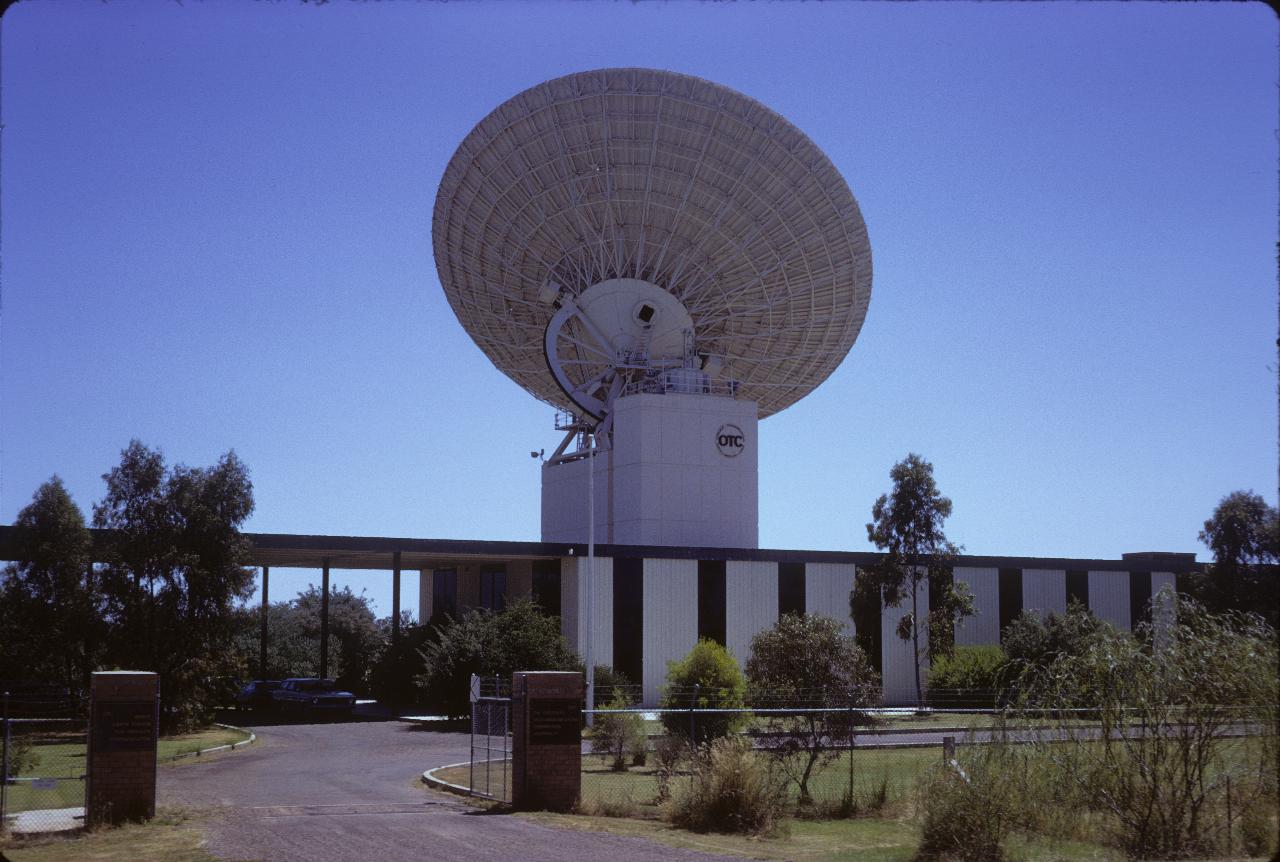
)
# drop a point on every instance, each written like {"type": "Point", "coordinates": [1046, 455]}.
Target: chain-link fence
{"type": "Point", "coordinates": [42, 764]}
{"type": "Point", "coordinates": [830, 761]}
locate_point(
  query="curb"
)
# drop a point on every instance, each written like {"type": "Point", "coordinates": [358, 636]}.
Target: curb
{"type": "Point", "coordinates": [429, 779]}
{"type": "Point", "coordinates": [231, 746]}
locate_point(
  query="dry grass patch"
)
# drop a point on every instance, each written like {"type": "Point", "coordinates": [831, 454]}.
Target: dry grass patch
{"type": "Point", "coordinates": [170, 837]}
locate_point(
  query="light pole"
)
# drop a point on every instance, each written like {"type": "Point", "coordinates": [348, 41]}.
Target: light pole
{"type": "Point", "coordinates": [591, 566]}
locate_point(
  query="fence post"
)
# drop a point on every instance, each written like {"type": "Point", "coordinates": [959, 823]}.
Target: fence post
{"type": "Point", "coordinates": [851, 745]}
{"type": "Point", "coordinates": [948, 749]}
{"type": "Point", "coordinates": [693, 721]}
{"type": "Point", "coordinates": [4, 763]}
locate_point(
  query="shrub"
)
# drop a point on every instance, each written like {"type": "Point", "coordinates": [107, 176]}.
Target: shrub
{"type": "Point", "coordinates": [707, 678]}
{"type": "Point", "coordinates": [805, 660]}
{"type": "Point", "coordinates": [611, 684]}
{"type": "Point", "coordinates": [617, 734]}
{"type": "Point", "coordinates": [670, 750]}
{"type": "Point", "coordinates": [972, 804]}
{"type": "Point", "coordinates": [968, 678]}
{"type": "Point", "coordinates": [482, 642]}
{"type": "Point", "coordinates": [1157, 764]}
{"type": "Point", "coordinates": [732, 791]}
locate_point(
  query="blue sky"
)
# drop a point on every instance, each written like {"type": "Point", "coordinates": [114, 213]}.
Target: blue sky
{"type": "Point", "coordinates": [216, 234]}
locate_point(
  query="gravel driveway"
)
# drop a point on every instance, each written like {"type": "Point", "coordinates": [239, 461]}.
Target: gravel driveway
{"type": "Point", "coordinates": [352, 793]}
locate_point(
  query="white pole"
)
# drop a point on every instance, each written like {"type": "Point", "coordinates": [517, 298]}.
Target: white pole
{"type": "Point", "coordinates": [591, 576]}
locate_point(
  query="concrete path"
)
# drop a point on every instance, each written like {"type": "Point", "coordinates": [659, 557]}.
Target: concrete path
{"type": "Point", "coordinates": [352, 793]}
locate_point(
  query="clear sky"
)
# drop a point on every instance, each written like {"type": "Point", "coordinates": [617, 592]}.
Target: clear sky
{"type": "Point", "coordinates": [216, 234]}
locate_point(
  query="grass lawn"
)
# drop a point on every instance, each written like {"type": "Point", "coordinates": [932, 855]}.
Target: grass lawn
{"type": "Point", "coordinates": [895, 768]}
{"type": "Point", "coordinates": [858, 840]}
{"type": "Point", "coordinates": [65, 763]}
{"type": "Point", "coordinates": [167, 838]}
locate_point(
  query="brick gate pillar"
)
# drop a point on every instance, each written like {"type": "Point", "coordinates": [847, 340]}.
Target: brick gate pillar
{"type": "Point", "coordinates": [124, 712]}
{"type": "Point", "coordinates": [546, 740]}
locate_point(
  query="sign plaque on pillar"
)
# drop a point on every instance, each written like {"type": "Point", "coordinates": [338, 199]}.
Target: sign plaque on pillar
{"type": "Point", "coordinates": [546, 749]}
{"type": "Point", "coordinates": [124, 728]}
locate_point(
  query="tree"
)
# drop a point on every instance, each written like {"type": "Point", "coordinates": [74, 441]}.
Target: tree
{"type": "Point", "coordinates": [50, 604]}
{"type": "Point", "coordinates": [174, 575]}
{"type": "Point", "coordinates": [806, 661]}
{"type": "Point", "coordinates": [356, 640]}
{"type": "Point", "coordinates": [1244, 536]}
{"type": "Point", "coordinates": [482, 642]}
{"type": "Point", "coordinates": [708, 677]}
{"type": "Point", "coordinates": [907, 524]}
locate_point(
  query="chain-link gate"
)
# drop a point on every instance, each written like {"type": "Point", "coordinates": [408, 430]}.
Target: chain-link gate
{"type": "Point", "coordinates": [490, 775]}
{"type": "Point", "coordinates": [43, 744]}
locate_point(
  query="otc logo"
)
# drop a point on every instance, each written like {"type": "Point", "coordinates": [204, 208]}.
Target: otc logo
{"type": "Point", "coordinates": [729, 441]}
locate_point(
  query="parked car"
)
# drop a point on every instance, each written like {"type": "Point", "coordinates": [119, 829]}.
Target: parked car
{"type": "Point", "coordinates": [312, 696]}
{"type": "Point", "coordinates": [256, 694]}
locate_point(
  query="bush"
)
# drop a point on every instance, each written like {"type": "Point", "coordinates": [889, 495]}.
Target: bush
{"type": "Point", "coordinates": [971, 806]}
{"type": "Point", "coordinates": [968, 678]}
{"type": "Point", "coordinates": [805, 660]}
{"type": "Point", "coordinates": [482, 642]}
{"type": "Point", "coordinates": [707, 678]}
{"type": "Point", "coordinates": [617, 734]}
{"type": "Point", "coordinates": [611, 684]}
{"type": "Point", "coordinates": [731, 791]}
{"type": "Point", "coordinates": [1157, 765]}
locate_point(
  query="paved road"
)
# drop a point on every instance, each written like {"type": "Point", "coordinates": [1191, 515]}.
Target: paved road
{"type": "Point", "coordinates": [351, 793]}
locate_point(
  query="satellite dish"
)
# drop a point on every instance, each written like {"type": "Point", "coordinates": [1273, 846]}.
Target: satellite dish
{"type": "Point", "coordinates": [623, 228]}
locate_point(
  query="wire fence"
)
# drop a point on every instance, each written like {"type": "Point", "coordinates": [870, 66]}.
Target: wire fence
{"type": "Point", "coordinates": [42, 764]}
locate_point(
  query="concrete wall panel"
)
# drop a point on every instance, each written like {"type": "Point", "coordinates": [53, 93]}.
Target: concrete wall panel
{"type": "Point", "coordinates": [1044, 591]}
{"type": "Point", "coordinates": [1109, 597]}
{"type": "Point", "coordinates": [751, 604]}
{"type": "Point", "coordinates": [983, 627]}
{"type": "Point", "coordinates": [826, 591]}
{"type": "Point", "coordinates": [670, 619]}
{"type": "Point", "coordinates": [899, 677]}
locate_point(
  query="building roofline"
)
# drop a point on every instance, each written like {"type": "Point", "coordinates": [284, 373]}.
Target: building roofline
{"type": "Point", "coordinates": [290, 550]}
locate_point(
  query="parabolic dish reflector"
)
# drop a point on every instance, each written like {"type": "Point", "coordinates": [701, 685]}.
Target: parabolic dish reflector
{"type": "Point", "coordinates": [669, 179]}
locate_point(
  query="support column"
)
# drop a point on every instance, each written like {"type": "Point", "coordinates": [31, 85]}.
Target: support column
{"type": "Point", "coordinates": [395, 601]}
{"type": "Point", "coordinates": [324, 622]}
{"type": "Point", "coordinates": [262, 635]}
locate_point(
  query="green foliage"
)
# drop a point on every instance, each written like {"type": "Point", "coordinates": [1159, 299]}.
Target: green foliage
{"type": "Point", "coordinates": [1244, 536]}
{"type": "Point", "coordinates": [394, 674]}
{"type": "Point", "coordinates": [356, 640]}
{"type": "Point", "coordinates": [707, 678]}
{"type": "Point", "coordinates": [617, 734]}
{"type": "Point", "coordinates": [732, 790]}
{"type": "Point", "coordinates": [611, 684]}
{"type": "Point", "coordinates": [808, 661]}
{"type": "Point", "coordinates": [520, 637]}
{"type": "Point", "coordinates": [51, 607]}
{"type": "Point", "coordinates": [1157, 765]}
{"type": "Point", "coordinates": [977, 671]}
{"type": "Point", "coordinates": [971, 805]}
{"type": "Point", "coordinates": [907, 524]}
{"type": "Point", "coordinates": [174, 576]}
{"type": "Point", "coordinates": [1033, 644]}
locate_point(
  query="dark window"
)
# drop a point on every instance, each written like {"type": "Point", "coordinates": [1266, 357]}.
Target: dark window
{"type": "Point", "coordinates": [628, 618]}
{"type": "Point", "coordinates": [790, 588]}
{"type": "Point", "coordinates": [866, 607]}
{"type": "Point", "coordinates": [1139, 599]}
{"type": "Point", "coordinates": [938, 588]}
{"type": "Point", "coordinates": [1010, 597]}
{"type": "Point", "coordinates": [711, 600]}
{"type": "Point", "coordinates": [546, 586]}
{"type": "Point", "coordinates": [493, 587]}
{"type": "Point", "coordinates": [444, 593]}
{"type": "Point", "coordinates": [1078, 588]}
